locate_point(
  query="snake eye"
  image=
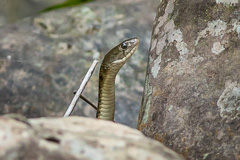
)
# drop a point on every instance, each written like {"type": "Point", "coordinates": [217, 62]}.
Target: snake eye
{"type": "Point", "coordinates": [124, 46]}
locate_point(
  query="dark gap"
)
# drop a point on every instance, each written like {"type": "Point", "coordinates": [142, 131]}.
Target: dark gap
{"type": "Point", "coordinates": [53, 139]}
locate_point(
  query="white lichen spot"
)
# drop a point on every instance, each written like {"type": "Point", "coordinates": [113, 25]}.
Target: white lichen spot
{"type": "Point", "coordinates": [236, 27]}
{"type": "Point", "coordinates": [160, 45]}
{"type": "Point", "coordinates": [214, 28]}
{"type": "Point", "coordinates": [145, 117]}
{"type": "Point", "coordinates": [170, 7]}
{"type": "Point", "coordinates": [229, 101]}
{"type": "Point", "coordinates": [217, 48]}
{"type": "Point", "coordinates": [182, 48]}
{"type": "Point", "coordinates": [147, 92]}
{"type": "Point", "coordinates": [148, 88]}
{"type": "Point", "coordinates": [238, 31]}
{"type": "Point", "coordinates": [153, 44]}
{"type": "Point", "coordinates": [205, 156]}
{"type": "Point", "coordinates": [156, 66]}
{"type": "Point", "coordinates": [227, 1]}
{"type": "Point", "coordinates": [170, 33]}
{"type": "Point", "coordinates": [174, 35]}
{"type": "Point", "coordinates": [170, 108]}
{"type": "Point", "coordinates": [163, 19]}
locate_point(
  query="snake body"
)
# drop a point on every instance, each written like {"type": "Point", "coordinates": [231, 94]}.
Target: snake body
{"type": "Point", "coordinates": [112, 63]}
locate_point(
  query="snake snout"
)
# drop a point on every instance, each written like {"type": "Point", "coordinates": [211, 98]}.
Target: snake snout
{"type": "Point", "coordinates": [133, 41]}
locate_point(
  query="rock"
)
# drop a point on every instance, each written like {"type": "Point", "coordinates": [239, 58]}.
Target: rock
{"type": "Point", "coordinates": [191, 101]}
{"type": "Point", "coordinates": [44, 58]}
{"type": "Point", "coordinates": [76, 138]}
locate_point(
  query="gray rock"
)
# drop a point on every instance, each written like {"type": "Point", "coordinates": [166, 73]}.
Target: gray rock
{"type": "Point", "coordinates": [191, 101]}
{"type": "Point", "coordinates": [76, 138]}
{"type": "Point", "coordinates": [44, 58]}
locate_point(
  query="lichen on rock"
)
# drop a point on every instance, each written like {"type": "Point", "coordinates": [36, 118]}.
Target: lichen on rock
{"type": "Point", "coordinates": [229, 101]}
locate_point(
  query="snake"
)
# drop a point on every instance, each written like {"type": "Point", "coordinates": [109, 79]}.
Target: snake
{"type": "Point", "coordinates": [111, 64]}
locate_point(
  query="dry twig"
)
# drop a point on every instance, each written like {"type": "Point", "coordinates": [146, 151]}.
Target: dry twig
{"type": "Point", "coordinates": [81, 88]}
{"type": "Point", "coordinates": [89, 102]}
{"type": "Point", "coordinates": [86, 100]}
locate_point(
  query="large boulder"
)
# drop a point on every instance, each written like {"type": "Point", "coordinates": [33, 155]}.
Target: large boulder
{"type": "Point", "coordinates": [76, 138]}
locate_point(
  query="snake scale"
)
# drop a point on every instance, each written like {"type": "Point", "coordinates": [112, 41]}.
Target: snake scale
{"type": "Point", "coordinates": [111, 64]}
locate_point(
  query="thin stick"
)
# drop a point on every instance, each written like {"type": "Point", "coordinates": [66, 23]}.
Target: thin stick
{"type": "Point", "coordinates": [90, 103]}
{"type": "Point", "coordinates": [86, 100]}
{"type": "Point", "coordinates": [81, 88]}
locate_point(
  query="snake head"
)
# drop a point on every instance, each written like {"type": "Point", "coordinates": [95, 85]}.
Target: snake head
{"type": "Point", "coordinates": [121, 53]}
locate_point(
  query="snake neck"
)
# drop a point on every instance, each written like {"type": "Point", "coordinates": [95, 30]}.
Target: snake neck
{"type": "Point", "coordinates": [106, 100]}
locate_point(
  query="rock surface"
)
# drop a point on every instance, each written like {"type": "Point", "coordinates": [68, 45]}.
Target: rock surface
{"type": "Point", "coordinates": [192, 92]}
{"type": "Point", "coordinates": [76, 138]}
{"type": "Point", "coordinates": [44, 58]}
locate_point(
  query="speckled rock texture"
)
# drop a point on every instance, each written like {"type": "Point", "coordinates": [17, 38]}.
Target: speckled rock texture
{"type": "Point", "coordinates": [44, 58]}
{"type": "Point", "coordinates": [75, 138]}
{"type": "Point", "coordinates": [191, 100]}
